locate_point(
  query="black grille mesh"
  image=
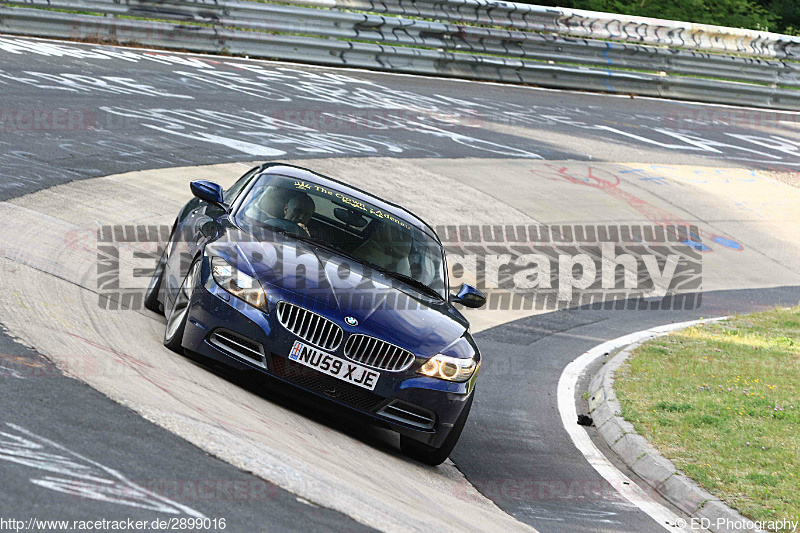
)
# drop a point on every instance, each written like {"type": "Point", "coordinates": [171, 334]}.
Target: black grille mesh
{"type": "Point", "coordinates": [320, 383]}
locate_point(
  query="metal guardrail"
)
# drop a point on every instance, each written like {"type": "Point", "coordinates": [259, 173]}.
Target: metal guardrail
{"type": "Point", "coordinates": [524, 54]}
{"type": "Point", "coordinates": [580, 23]}
{"type": "Point", "coordinates": [407, 32]}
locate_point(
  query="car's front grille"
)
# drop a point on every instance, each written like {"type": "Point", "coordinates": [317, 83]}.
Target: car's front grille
{"type": "Point", "coordinates": [238, 345]}
{"type": "Point", "coordinates": [309, 326]}
{"type": "Point", "coordinates": [408, 413]}
{"type": "Point", "coordinates": [376, 353]}
{"type": "Point", "coordinates": [325, 385]}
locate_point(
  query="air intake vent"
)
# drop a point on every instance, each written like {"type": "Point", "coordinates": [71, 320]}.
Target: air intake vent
{"type": "Point", "coordinates": [407, 413]}
{"type": "Point", "coordinates": [238, 345]}
{"type": "Point", "coordinates": [376, 353]}
{"type": "Point", "coordinates": [309, 326]}
{"type": "Point", "coordinates": [319, 383]}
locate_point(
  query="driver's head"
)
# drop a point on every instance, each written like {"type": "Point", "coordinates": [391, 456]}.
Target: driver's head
{"type": "Point", "coordinates": [274, 200]}
{"type": "Point", "coordinates": [392, 240]}
{"type": "Point", "coordinates": [299, 209]}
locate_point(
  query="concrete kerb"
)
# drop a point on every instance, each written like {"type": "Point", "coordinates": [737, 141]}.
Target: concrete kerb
{"type": "Point", "coordinates": [641, 457]}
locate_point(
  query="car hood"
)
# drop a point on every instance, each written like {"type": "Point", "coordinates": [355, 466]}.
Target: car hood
{"type": "Point", "coordinates": [338, 287]}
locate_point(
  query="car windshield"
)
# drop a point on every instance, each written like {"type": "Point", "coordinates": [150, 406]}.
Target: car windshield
{"type": "Point", "coordinates": [350, 226]}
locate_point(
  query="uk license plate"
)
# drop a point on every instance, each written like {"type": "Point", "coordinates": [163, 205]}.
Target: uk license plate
{"type": "Point", "coordinates": [334, 366]}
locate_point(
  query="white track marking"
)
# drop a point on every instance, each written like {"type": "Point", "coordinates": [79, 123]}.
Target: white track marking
{"type": "Point", "coordinates": [384, 73]}
{"type": "Point", "coordinates": [297, 453]}
{"type": "Point", "coordinates": [10, 373]}
{"type": "Point", "coordinates": [81, 476]}
{"type": "Point", "coordinates": [567, 384]}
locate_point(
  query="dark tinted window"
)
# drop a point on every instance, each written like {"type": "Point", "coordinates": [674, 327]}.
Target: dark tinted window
{"type": "Point", "coordinates": [354, 227]}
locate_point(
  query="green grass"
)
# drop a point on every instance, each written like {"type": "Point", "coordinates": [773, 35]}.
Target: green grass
{"type": "Point", "coordinates": [722, 401]}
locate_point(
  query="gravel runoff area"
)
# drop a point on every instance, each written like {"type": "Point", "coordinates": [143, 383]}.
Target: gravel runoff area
{"type": "Point", "coordinates": [789, 178]}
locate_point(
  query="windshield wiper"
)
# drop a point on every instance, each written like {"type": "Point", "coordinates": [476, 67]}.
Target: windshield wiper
{"type": "Point", "coordinates": [301, 237]}
{"type": "Point", "coordinates": [391, 273]}
{"type": "Point", "coordinates": [320, 242]}
{"type": "Point", "coordinates": [407, 279]}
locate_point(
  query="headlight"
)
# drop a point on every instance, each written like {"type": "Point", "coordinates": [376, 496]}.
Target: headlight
{"type": "Point", "coordinates": [448, 368]}
{"type": "Point", "coordinates": [239, 284]}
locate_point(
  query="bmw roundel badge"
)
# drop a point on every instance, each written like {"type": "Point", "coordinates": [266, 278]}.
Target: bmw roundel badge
{"type": "Point", "coordinates": [350, 321]}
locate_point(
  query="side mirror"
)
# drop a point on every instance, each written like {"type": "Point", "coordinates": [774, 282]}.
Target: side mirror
{"type": "Point", "coordinates": [469, 296]}
{"type": "Point", "coordinates": [208, 191]}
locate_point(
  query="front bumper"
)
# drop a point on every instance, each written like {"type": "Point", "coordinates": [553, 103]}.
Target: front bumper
{"type": "Point", "coordinates": [402, 401]}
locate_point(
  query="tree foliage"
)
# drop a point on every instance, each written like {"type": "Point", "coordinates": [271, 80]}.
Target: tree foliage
{"type": "Point", "coordinates": [782, 16]}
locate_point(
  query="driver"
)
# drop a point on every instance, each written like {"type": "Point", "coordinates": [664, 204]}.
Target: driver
{"type": "Point", "coordinates": [272, 201]}
{"type": "Point", "coordinates": [387, 247]}
{"type": "Point", "coordinates": [283, 208]}
{"type": "Point", "coordinates": [299, 210]}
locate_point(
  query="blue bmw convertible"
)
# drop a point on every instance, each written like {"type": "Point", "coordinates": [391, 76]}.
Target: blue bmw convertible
{"type": "Point", "coordinates": [327, 288]}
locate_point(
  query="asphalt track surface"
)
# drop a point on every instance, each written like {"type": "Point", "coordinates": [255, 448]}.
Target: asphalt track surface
{"type": "Point", "coordinates": [132, 110]}
{"type": "Point", "coordinates": [57, 432]}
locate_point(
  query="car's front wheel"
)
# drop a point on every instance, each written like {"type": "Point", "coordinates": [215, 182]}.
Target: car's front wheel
{"type": "Point", "coordinates": [429, 455]}
{"type": "Point", "coordinates": [151, 295]}
{"type": "Point", "coordinates": [178, 315]}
